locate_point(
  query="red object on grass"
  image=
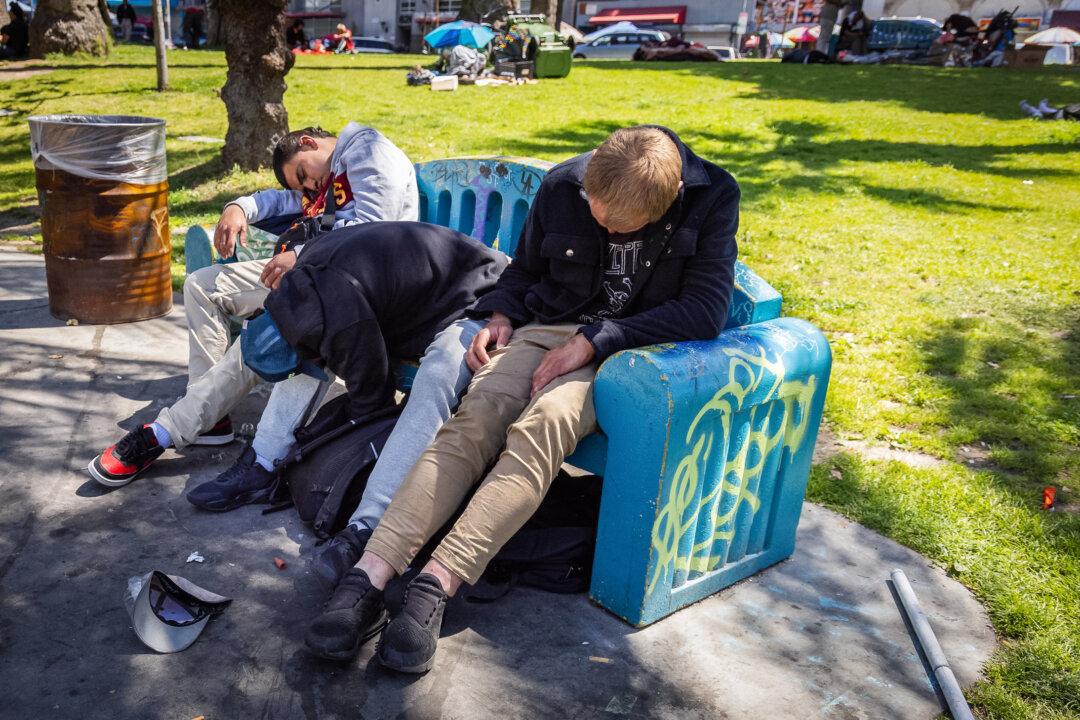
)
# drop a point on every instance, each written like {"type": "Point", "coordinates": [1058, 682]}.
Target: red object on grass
{"type": "Point", "coordinates": [1048, 497]}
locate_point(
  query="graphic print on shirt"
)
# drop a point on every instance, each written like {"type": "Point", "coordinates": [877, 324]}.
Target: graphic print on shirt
{"type": "Point", "coordinates": [619, 270]}
{"type": "Point", "coordinates": [342, 197]}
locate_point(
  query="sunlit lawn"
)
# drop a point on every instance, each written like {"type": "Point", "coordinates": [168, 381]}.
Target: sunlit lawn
{"type": "Point", "coordinates": [912, 213]}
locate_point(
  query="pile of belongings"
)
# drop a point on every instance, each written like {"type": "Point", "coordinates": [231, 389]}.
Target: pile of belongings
{"type": "Point", "coordinates": [675, 49]}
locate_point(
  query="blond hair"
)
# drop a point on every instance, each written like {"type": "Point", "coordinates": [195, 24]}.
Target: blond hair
{"type": "Point", "coordinates": [635, 173]}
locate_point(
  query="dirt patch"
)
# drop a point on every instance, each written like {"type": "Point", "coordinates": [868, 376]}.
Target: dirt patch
{"type": "Point", "coordinates": [20, 230]}
{"type": "Point", "coordinates": [829, 445]}
{"type": "Point", "coordinates": [9, 74]}
{"type": "Point", "coordinates": [974, 455]}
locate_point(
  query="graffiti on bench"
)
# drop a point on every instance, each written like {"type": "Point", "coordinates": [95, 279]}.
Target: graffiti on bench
{"type": "Point", "coordinates": [709, 519]}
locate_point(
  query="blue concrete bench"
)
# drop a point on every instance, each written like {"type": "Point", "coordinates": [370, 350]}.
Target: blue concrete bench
{"type": "Point", "coordinates": [705, 447]}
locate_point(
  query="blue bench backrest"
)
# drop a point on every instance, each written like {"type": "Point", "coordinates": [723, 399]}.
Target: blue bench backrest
{"type": "Point", "coordinates": [488, 198]}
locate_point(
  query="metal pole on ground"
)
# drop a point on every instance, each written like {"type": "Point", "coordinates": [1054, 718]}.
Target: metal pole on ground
{"type": "Point", "coordinates": [954, 697]}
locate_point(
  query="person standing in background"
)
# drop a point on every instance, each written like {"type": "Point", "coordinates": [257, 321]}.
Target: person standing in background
{"type": "Point", "coordinates": [125, 15]}
{"type": "Point", "coordinates": [15, 36]}
{"type": "Point", "coordinates": [295, 37]}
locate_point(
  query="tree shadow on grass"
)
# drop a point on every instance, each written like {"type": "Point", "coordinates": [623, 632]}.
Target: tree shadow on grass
{"type": "Point", "coordinates": [988, 92]}
{"type": "Point", "coordinates": [813, 161]}
{"type": "Point", "coordinates": [1014, 386]}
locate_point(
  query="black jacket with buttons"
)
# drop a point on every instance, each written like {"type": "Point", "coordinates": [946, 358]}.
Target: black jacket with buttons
{"type": "Point", "coordinates": [682, 289]}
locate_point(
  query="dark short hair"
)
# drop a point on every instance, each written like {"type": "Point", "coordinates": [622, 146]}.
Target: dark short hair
{"type": "Point", "coordinates": [288, 146]}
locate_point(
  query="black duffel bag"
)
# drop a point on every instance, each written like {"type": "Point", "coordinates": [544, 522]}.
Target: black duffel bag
{"type": "Point", "coordinates": [327, 471]}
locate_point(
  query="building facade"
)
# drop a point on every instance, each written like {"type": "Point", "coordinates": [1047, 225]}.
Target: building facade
{"type": "Point", "coordinates": [711, 22]}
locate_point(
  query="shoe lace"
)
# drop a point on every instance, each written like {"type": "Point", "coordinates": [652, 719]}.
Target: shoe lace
{"type": "Point", "coordinates": [238, 470]}
{"type": "Point", "coordinates": [427, 597]}
{"type": "Point", "coordinates": [352, 590]}
{"type": "Point", "coordinates": [133, 446]}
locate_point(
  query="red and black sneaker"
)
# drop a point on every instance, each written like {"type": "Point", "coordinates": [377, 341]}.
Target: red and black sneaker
{"type": "Point", "coordinates": [220, 434]}
{"type": "Point", "coordinates": [122, 462]}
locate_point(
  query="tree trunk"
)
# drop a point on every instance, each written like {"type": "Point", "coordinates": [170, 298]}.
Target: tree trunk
{"type": "Point", "coordinates": [254, 90]}
{"type": "Point", "coordinates": [68, 27]}
{"type": "Point", "coordinates": [549, 9]}
{"type": "Point", "coordinates": [159, 47]}
{"type": "Point", "coordinates": [478, 10]}
{"type": "Point", "coordinates": [215, 36]}
{"type": "Point", "coordinates": [826, 21]}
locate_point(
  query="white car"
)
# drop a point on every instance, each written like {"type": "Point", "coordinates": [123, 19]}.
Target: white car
{"type": "Point", "coordinates": [618, 46]}
{"type": "Point", "coordinates": [372, 45]}
{"type": "Point", "coordinates": [725, 52]}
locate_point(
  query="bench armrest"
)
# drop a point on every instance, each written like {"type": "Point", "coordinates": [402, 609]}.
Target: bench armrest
{"type": "Point", "coordinates": [709, 448]}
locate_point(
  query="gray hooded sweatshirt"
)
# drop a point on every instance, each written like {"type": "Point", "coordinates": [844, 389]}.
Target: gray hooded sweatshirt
{"type": "Point", "coordinates": [373, 180]}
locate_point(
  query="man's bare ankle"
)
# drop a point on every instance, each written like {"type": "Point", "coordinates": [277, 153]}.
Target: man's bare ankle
{"type": "Point", "coordinates": [446, 577]}
{"type": "Point", "coordinates": [379, 571]}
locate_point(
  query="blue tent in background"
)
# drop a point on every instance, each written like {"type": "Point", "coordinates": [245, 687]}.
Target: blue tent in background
{"type": "Point", "coordinates": [459, 32]}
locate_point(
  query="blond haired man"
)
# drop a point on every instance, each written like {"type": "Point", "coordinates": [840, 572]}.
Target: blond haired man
{"type": "Point", "coordinates": [629, 245]}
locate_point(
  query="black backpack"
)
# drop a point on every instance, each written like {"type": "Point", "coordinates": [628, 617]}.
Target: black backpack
{"type": "Point", "coordinates": [553, 551]}
{"type": "Point", "coordinates": [325, 474]}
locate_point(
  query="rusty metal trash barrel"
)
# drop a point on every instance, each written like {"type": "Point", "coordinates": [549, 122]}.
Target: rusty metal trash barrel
{"type": "Point", "coordinates": [103, 188]}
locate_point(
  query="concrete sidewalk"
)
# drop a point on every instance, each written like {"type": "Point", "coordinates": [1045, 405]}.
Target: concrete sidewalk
{"type": "Point", "coordinates": [816, 636]}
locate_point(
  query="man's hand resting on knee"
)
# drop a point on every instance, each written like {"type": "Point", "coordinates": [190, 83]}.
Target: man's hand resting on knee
{"type": "Point", "coordinates": [276, 268]}
{"type": "Point", "coordinates": [577, 352]}
{"type": "Point", "coordinates": [497, 331]}
{"type": "Point", "coordinates": [233, 224]}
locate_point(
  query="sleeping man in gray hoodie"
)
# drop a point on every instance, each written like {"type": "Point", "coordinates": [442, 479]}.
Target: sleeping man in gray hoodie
{"type": "Point", "coordinates": [365, 178]}
{"type": "Point", "coordinates": [360, 172]}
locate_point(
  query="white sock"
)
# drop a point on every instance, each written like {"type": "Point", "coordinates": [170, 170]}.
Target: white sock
{"type": "Point", "coordinates": [164, 439]}
{"type": "Point", "coordinates": [1045, 109]}
{"type": "Point", "coordinates": [266, 463]}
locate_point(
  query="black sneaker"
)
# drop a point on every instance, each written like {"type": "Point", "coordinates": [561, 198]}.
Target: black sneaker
{"type": "Point", "coordinates": [244, 483]}
{"type": "Point", "coordinates": [220, 434]}
{"type": "Point", "coordinates": [354, 614]}
{"type": "Point", "coordinates": [119, 464]}
{"type": "Point", "coordinates": [409, 641]}
{"type": "Point", "coordinates": [339, 555]}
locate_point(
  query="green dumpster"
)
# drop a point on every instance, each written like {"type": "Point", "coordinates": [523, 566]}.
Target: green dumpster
{"type": "Point", "coordinates": [548, 48]}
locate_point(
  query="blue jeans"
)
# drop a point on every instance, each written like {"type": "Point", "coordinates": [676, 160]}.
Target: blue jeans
{"type": "Point", "coordinates": [439, 384]}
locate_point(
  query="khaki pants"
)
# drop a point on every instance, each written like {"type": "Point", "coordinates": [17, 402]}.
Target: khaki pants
{"type": "Point", "coordinates": [211, 295]}
{"type": "Point", "coordinates": [534, 436]}
{"type": "Point", "coordinates": [209, 398]}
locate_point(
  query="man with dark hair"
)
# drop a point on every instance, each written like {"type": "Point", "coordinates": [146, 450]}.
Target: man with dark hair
{"type": "Point", "coordinates": [125, 15]}
{"type": "Point", "coordinates": [295, 37]}
{"type": "Point", "coordinates": [364, 177]}
{"type": "Point", "coordinates": [358, 297]}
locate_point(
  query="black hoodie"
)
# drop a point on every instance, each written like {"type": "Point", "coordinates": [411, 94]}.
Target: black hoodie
{"type": "Point", "coordinates": [364, 294]}
{"type": "Point", "coordinates": [682, 294]}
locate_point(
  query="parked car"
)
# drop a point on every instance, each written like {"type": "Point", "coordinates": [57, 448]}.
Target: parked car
{"type": "Point", "coordinates": [725, 52]}
{"type": "Point", "coordinates": [903, 33]}
{"type": "Point", "coordinates": [617, 47]}
{"type": "Point", "coordinates": [372, 45]}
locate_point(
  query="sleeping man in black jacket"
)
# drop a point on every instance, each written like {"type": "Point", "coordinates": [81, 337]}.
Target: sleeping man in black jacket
{"type": "Point", "coordinates": [358, 298]}
{"type": "Point", "coordinates": [629, 245]}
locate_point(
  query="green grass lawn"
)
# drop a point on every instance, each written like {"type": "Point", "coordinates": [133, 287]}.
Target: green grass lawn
{"type": "Point", "coordinates": [911, 213]}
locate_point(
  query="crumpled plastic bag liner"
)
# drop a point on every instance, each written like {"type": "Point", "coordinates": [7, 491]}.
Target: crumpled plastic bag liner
{"type": "Point", "coordinates": [120, 148]}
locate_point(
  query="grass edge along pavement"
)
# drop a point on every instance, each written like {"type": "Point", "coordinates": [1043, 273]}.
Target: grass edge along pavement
{"type": "Point", "coordinates": [911, 213]}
